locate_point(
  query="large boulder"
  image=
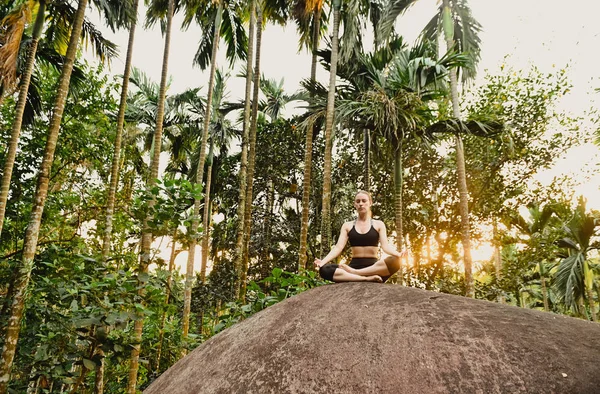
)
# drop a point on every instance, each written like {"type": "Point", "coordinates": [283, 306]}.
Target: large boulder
{"type": "Point", "coordinates": [372, 338]}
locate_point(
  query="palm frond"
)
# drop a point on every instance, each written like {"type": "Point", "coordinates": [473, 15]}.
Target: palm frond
{"type": "Point", "coordinates": [117, 14]}
{"type": "Point", "coordinates": [467, 35]}
{"type": "Point", "coordinates": [568, 281]}
{"type": "Point", "coordinates": [350, 42]}
{"type": "Point", "coordinates": [392, 10]}
{"type": "Point", "coordinates": [203, 53]}
{"type": "Point", "coordinates": [276, 11]}
{"type": "Point", "coordinates": [61, 15]}
{"type": "Point", "coordinates": [473, 127]}
{"type": "Point", "coordinates": [234, 35]}
{"type": "Point", "coordinates": [11, 33]}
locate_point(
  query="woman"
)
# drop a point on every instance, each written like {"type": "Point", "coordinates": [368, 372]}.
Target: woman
{"type": "Point", "coordinates": [365, 234]}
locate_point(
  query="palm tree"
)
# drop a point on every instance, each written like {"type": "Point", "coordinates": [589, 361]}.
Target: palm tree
{"type": "Point", "coordinates": [14, 23]}
{"type": "Point", "coordinates": [32, 233]}
{"type": "Point", "coordinates": [388, 97]}
{"type": "Point", "coordinates": [20, 107]}
{"type": "Point", "coordinates": [248, 198]}
{"type": "Point", "coordinates": [243, 174]}
{"type": "Point", "coordinates": [536, 229]}
{"type": "Point", "coordinates": [329, 119]}
{"type": "Point", "coordinates": [221, 133]}
{"type": "Point", "coordinates": [275, 97]}
{"type": "Point", "coordinates": [210, 18]}
{"type": "Point", "coordinates": [453, 16]}
{"type": "Point", "coordinates": [114, 174]}
{"type": "Point", "coordinates": [308, 27]}
{"type": "Point", "coordinates": [267, 10]}
{"type": "Point", "coordinates": [199, 174]}
{"type": "Point", "coordinates": [574, 280]}
{"type": "Point", "coordinates": [147, 234]}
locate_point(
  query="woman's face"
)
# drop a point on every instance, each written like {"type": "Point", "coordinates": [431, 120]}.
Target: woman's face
{"type": "Point", "coordinates": [362, 203]}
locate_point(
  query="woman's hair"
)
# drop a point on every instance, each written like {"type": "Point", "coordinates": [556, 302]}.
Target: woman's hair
{"type": "Point", "coordinates": [364, 192]}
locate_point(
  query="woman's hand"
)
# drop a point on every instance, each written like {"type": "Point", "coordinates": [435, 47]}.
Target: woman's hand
{"type": "Point", "coordinates": [318, 263]}
{"type": "Point", "coordinates": [402, 253]}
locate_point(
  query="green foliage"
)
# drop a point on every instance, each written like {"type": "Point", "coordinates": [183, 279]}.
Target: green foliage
{"type": "Point", "coordinates": [535, 136]}
{"type": "Point", "coordinates": [81, 309]}
{"type": "Point", "coordinates": [279, 286]}
{"type": "Point", "coordinates": [166, 204]}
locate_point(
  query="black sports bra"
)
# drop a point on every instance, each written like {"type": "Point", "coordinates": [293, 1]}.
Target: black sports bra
{"type": "Point", "coordinates": [370, 238]}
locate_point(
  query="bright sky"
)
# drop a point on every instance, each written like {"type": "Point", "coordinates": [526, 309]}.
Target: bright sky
{"type": "Point", "coordinates": [547, 33]}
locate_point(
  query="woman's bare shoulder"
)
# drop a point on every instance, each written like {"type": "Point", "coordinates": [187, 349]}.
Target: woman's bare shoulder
{"type": "Point", "coordinates": [378, 224]}
{"type": "Point", "coordinates": [348, 225]}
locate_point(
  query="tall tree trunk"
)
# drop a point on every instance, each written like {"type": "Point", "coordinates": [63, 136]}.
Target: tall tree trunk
{"type": "Point", "coordinates": [428, 258]}
{"type": "Point", "coordinates": [497, 255]}
{"type": "Point", "coordinates": [161, 332]}
{"type": "Point", "coordinates": [41, 192]}
{"type": "Point", "coordinates": [147, 234]}
{"type": "Point", "coordinates": [325, 215]}
{"type": "Point", "coordinates": [398, 184]}
{"type": "Point", "coordinates": [114, 173]}
{"type": "Point", "coordinates": [265, 258]}
{"type": "Point", "coordinates": [243, 175]}
{"type": "Point", "coordinates": [20, 109]}
{"type": "Point", "coordinates": [308, 147]}
{"type": "Point", "coordinates": [100, 368]}
{"type": "Point", "coordinates": [251, 157]}
{"type": "Point", "coordinates": [588, 277]}
{"type": "Point", "coordinates": [114, 177]}
{"type": "Point", "coordinates": [460, 160]}
{"type": "Point", "coordinates": [207, 212]}
{"type": "Point", "coordinates": [367, 164]}
{"type": "Point", "coordinates": [193, 238]}
{"type": "Point", "coordinates": [544, 293]}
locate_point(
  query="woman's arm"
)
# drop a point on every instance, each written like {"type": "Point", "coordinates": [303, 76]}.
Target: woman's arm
{"type": "Point", "coordinates": [385, 245]}
{"type": "Point", "coordinates": [337, 249]}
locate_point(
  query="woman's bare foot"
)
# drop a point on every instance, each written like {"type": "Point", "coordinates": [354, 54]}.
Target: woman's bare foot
{"type": "Point", "coordinates": [373, 278]}
{"type": "Point", "coordinates": [348, 269]}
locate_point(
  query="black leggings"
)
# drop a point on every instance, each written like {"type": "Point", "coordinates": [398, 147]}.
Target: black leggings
{"type": "Point", "coordinates": [328, 270]}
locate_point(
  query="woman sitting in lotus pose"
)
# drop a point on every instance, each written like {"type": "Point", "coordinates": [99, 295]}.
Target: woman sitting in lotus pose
{"type": "Point", "coordinates": [365, 234]}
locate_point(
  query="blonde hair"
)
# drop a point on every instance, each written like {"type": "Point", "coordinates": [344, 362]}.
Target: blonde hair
{"type": "Point", "coordinates": [365, 192]}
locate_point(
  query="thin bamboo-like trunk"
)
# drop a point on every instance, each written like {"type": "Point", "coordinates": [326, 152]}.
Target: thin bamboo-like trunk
{"type": "Point", "coordinates": [588, 278]}
{"type": "Point", "coordinates": [161, 332]}
{"type": "Point", "coordinates": [189, 277]}
{"type": "Point", "coordinates": [398, 206]}
{"type": "Point", "coordinates": [545, 293]}
{"type": "Point", "coordinates": [241, 293]}
{"type": "Point", "coordinates": [207, 212]}
{"type": "Point", "coordinates": [33, 229]}
{"type": "Point", "coordinates": [100, 368]}
{"type": "Point", "coordinates": [497, 256]}
{"type": "Point", "coordinates": [167, 296]}
{"type": "Point", "coordinates": [243, 175]}
{"type": "Point", "coordinates": [114, 173]}
{"type": "Point", "coordinates": [267, 229]}
{"type": "Point", "coordinates": [114, 177]}
{"type": "Point", "coordinates": [325, 211]}
{"type": "Point", "coordinates": [367, 164]}
{"type": "Point", "coordinates": [460, 162]}
{"type": "Point", "coordinates": [146, 242]}
{"type": "Point", "coordinates": [9, 162]}
{"type": "Point", "coordinates": [592, 304]}
{"type": "Point", "coordinates": [308, 147]}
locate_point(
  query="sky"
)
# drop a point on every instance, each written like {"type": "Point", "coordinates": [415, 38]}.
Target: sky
{"type": "Point", "coordinates": [518, 33]}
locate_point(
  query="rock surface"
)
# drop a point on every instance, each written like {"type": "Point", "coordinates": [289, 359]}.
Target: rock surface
{"type": "Point", "coordinates": [372, 338]}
